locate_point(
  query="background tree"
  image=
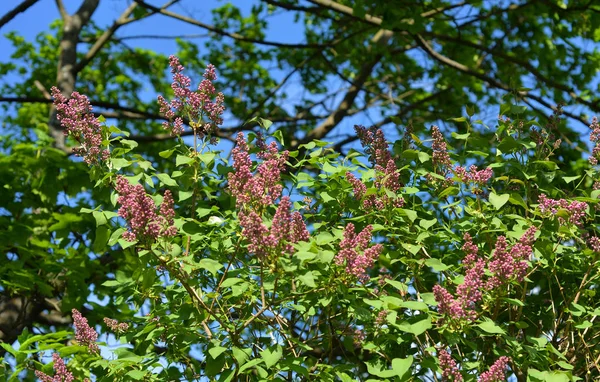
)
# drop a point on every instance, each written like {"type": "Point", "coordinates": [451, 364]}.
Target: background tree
{"type": "Point", "coordinates": [395, 66]}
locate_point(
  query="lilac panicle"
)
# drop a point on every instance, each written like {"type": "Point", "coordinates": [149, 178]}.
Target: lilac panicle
{"type": "Point", "coordinates": [116, 326]}
{"type": "Point", "coordinates": [194, 105]}
{"type": "Point", "coordinates": [358, 186]}
{"type": "Point", "coordinates": [374, 143]}
{"type": "Point", "coordinates": [467, 295]}
{"type": "Point", "coordinates": [84, 334]}
{"type": "Point", "coordinates": [440, 150]}
{"type": "Point", "coordinates": [61, 373]}
{"type": "Point", "coordinates": [139, 210]}
{"type": "Point", "coordinates": [356, 253]}
{"type": "Point", "coordinates": [262, 188]}
{"type": "Point", "coordinates": [469, 292]}
{"type": "Point", "coordinates": [287, 228]}
{"type": "Point", "coordinates": [506, 264]}
{"type": "Point", "coordinates": [594, 243]}
{"type": "Point", "coordinates": [449, 368]}
{"type": "Point", "coordinates": [575, 209]}
{"type": "Point", "coordinates": [477, 178]}
{"type": "Point", "coordinates": [75, 115]}
{"type": "Point", "coordinates": [470, 251]}
{"type": "Point", "coordinates": [496, 372]}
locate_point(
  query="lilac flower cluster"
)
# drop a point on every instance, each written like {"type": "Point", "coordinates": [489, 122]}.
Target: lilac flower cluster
{"type": "Point", "coordinates": [510, 264]}
{"type": "Point", "coordinates": [192, 104]}
{"type": "Point", "coordinates": [595, 137]}
{"type": "Point", "coordinates": [468, 294]}
{"type": "Point", "coordinates": [84, 334]}
{"type": "Point", "coordinates": [262, 188]}
{"type": "Point", "coordinates": [286, 229]}
{"type": "Point", "coordinates": [116, 326]}
{"type": "Point", "coordinates": [496, 372]}
{"type": "Point", "coordinates": [358, 337]}
{"type": "Point", "coordinates": [356, 253]}
{"type": "Point", "coordinates": [449, 368]}
{"type": "Point", "coordinates": [575, 209]}
{"type": "Point", "coordinates": [478, 178]}
{"type": "Point", "coordinates": [440, 150]}
{"type": "Point", "coordinates": [387, 177]}
{"type": "Point", "coordinates": [373, 140]}
{"type": "Point", "coordinates": [441, 160]}
{"type": "Point", "coordinates": [254, 192]}
{"type": "Point", "coordinates": [139, 210]}
{"type": "Point", "coordinates": [75, 115]}
{"type": "Point", "coordinates": [381, 317]}
{"type": "Point", "coordinates": [506, 264]}
{"type": "Point", "coordinates": [470, 250]}
{"type": "Point", "coordinates": [61, 374]}
{"type": "Point", "coordinates": [594, 243]}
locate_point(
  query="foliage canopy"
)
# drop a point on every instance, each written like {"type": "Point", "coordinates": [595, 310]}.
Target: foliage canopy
{"type": "Point", "coordinates": [456, 253]}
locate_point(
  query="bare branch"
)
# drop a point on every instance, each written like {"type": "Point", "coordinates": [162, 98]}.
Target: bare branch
{"type": "Point", "coordinates": [15, 11]}
{"type": "Point", "coordinates": [162, 37]}
{"type": "Point", "coordinates": [62, 10]}
{"type": "Point", "coordinates": [465, 69]}
{"type": "Point", "coordinates": [235, 36]}
{"type": "Point", "coordinates": [122, 20]}
{"type": "Point", "coordinates": [381, 37]}
{"type": "Point", "coordinates": [346, 11]}
{"type": "Point", "coordinates": [525, 64]}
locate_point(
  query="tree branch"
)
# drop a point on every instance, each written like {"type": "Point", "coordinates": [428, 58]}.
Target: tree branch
{"type": "Point", "coordinates": [235, 36]}
{"type": "Point", "coordinates": [528, 66]}
{"type": "Point", "coordinates": [62, 10]}
{"type": "Point", "coordinates": [382, 37]}
{"type": "Point", "coordinates": [122, 20]}
{"type": "Point", "coordinates": [15, 11]}
{"type": "Point", "coordinates": [465, 69]}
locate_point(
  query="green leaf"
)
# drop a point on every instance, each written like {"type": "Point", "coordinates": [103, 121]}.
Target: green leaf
{"type": "Point", "coordinates": [166, 153]}
{"type": "Point", "coordinates": [183, 159]}
{"type": "Point", "coordinates": [102, 235]}
{"type": "Point", "coordinates": [400, 366]}
{"type": "Point", "coordinates": [119, 163]}
{"type": "Point", "coordinates": [565, 365]}
{"type": "Point", "coordinates": [436, 264]}
{"type": "Point", "coordinates": [461, 137]}
{"type": "Point", "coordinates": [427, 223]}
{"type": "Point", "coordinates": [250, 364]}
{"type": "Point", "coordinates": [271, 357]}
{"type": "Point", "coordinates": [498, 200]}
{"type": "Point", "coordinates": [241, 355]}
{"type": "Point", "coordinates": [136, 374]}
{"type": "Point", "coordinates": [100, 218]}
{"type": "Point", "coordinates": [416, 328]}
{"type": "Point", "coordinates": [166, 179]}
{"type": "Point", "coordinates": [490, 326]}
{"type": "Point", "coordinates": [423, 156]}
{"type": "Point", "coordinates": [278, 135]}
{"type": "Point", "coordinates": [326, 197]}
{"type": "Point", "coordinates": [569, 179]}
{"type": "Point", "coordinates": [308, 279]}
{"type": "Point", "coordinates": [414, 305]}
{"type": "Point", "coordinates": [130, 143]}
{"type": "Point", "coordinates": [210, 265]}
{"type": "Point", "coordinates": [552, 166]}
{"type": "Point", "coordinates": [410, 214]}
{"type": "Point", "coordinates": [184, 195]}
{"type": "Point", "coordinates": [216, 351]}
